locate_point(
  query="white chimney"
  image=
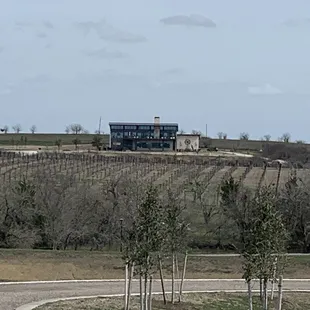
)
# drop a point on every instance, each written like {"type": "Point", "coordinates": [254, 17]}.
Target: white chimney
{"type": "Point", "coordinates": [156, 127]}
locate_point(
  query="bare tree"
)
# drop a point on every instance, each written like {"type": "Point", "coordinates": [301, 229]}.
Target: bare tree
{"type": "Point", "coordinates": [196, 132]}
{"type": "Point", "coordinates": [286, 137]}
{"type": "Point", "coordinates": [267, 138]}
{"type": "Point", "coordinates": [220, 135]}
{"type": "Point", "coordinates": [295, 207]}
{"type": "Point", "coordinates": [244, 136]}
{"type": "Point", "coordinates": [76, 128]}
{"type": "Point", "coordinates": [33, 129]}
{"type": "Point", "coordinates": [67, 130]}
{"type": "Point", "coordinates": [17, 128]}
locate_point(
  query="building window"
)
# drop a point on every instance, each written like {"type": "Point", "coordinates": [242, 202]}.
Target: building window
{"type": "Point", "coordinates": [116, 135]}
{"type": "Point", "coordinates": [116, 127]}
{"type": "Point", "coordinates": [172, 128]}
{"type": "Point", "coordinates": [143, 127]}
{"type": "Point", "coordinates": [130, 127]}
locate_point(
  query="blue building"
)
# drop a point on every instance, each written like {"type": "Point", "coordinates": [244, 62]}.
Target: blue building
{"type": "Point", "coordinates": [143, 136]}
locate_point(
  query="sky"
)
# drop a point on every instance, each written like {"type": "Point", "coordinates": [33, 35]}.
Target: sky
{"type": "Point", "coordinates": [237, 66]}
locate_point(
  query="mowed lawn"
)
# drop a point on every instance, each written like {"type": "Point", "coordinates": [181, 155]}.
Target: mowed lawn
{"type": "Point", "coordinates": [28, 265]}
{"type": "Point", "coordinates": [190, 302]}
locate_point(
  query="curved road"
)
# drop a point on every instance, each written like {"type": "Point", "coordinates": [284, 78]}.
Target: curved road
{"type": "Point", "coordinates": [14, 295]}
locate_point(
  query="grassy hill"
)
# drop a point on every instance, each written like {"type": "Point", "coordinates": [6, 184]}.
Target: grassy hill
{"type": "Point", "coordinates": [45, 139]}
{"type": "Point", "coordinates": [296, 152]}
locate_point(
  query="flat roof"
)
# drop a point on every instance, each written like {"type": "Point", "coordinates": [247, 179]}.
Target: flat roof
{"type": "Point", "coordinates": [142, 124]}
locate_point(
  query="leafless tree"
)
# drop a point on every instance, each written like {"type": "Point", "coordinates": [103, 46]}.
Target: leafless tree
{"type": "Point", "coordinates": [75, 129]}
{"type": "Point", "coordinates": [17, 128]}
{"type": "Point", "coordinates": [267, 138]}
{"type": "Point", "coordinates": [244, 136]}
{"type": "Point", "coordinates": [196, 132]}
{"type": "Point", "coordinates": [220, 135]}
{"type": "Point", "coordinates": [286, 137]}
{"type": "Point", "coordinates": [33, 129]}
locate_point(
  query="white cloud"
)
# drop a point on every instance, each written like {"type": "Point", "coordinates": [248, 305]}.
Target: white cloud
{"type": "Point", "coordinates": [296, 22]}
{"type": "Point", "coordinates": [107, 32]}
{"type": "Point", "coordinates": [105, 54]}
{"type": "Point", "coordinates": [5, 91]}
{"type": "Point", "coordinates": [189, 20]}
{"type": "Point", "coordinates": [265, 89]}
{"type": "Point", "coordinates": [48, 24]}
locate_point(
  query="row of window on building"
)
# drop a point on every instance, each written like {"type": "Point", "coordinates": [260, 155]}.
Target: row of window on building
{"type": "Point", "coordinates": [141, 135]}
{"type": "Point", "coordinates": [141, 127]}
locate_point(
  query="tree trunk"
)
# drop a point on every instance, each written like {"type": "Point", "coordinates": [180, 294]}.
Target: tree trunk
{"type": "Point", "coordinates": [126, 286]}
{"type": "Point", "coordinates": [162, 281]}
{"type": "Point", "coordinates": [132, 267]}
{"type": "Point", "coordinates": [249, 282]}
{"type": "Point", "coordinates": [145, 292]}
{"type": "Point", "coordinates": [273, 278]}
{"type": "Point", "coordinates": [265, 306]}
{"type": "Point", "coordinates": [183, 277]}
{"type": "Point", "coordinates": [172, 279]}
{"type": "Point", "coordinates": [150, 293]}
{"type": "Point", "coordinates": [141, 290]}
{"type": "Point", "coordinates": [280, 292]}
{"type": "Point", "coordinates": [261, 289]}
{"type": "Point", "coordinates": [177, 274]}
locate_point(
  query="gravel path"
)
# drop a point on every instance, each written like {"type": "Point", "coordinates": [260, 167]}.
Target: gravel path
{"type": "Point", "coordinates": [15, 295]}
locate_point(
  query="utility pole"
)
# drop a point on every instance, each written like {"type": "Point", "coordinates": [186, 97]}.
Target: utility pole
{"type": "Point", "coordinates": [99, 130]}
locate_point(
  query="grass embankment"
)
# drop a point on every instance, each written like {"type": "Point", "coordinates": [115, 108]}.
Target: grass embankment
{"type": "Point", "coordinates": [27, 265]}
{"type": "Point", "coordinates": [48, 139]}
{"type": "Point", "coordinates": [191, 302]}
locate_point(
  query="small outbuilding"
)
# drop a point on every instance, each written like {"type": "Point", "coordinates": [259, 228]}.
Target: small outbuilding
{"type": "Point", "coordinates": [188, 142]}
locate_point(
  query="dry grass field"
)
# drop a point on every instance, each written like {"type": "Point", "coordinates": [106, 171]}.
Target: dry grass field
{"type": "Point", "coordinates": [34, 265]}
{"type": "Point", "coordinates": [191, 302]}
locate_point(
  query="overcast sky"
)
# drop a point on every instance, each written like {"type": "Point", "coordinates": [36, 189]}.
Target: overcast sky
{"type": "Point", "coordinates": [239, 66]}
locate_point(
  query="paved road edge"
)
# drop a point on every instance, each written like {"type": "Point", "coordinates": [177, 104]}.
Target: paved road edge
{"type": "Point", "coordinates": [34, 305]}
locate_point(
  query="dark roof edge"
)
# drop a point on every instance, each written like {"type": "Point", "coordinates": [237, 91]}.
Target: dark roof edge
{"type": "Point", "coordinates": [143, 124]}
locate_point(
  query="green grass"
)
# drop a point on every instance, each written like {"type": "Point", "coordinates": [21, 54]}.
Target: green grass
{"type": "Point", "coordinates": [191, 302]}
{"type": "Point", "coordinates": [39, 139]}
